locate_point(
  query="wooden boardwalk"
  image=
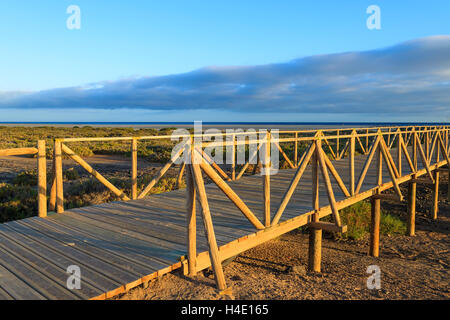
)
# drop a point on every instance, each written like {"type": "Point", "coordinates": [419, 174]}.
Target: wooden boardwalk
{"type": "Point", "coordinates": [120, 245]}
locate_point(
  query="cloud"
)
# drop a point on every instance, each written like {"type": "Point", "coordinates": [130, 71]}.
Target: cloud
{"type": "Point", "coordinates": [409, 77]}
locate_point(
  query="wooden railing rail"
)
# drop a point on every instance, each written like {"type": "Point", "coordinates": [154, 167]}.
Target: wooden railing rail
{"type": "Point", "coordinates": [39, 151]}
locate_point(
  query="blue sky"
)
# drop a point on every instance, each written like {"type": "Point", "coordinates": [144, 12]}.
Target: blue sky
{"type": "Point", "coordinates": [184, 48]}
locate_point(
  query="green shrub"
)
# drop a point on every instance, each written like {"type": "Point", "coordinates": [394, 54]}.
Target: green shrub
{"type": "Point", "coordinates": [71, 174]}
{"type": "Point", "coordinates": [390, 225]}
{"type": "Point", "coordinates": [17, 202]}
{"type": "Point", "coordinates": [357, 218]}
{"type": "Point", "coordinates": [25, 178]}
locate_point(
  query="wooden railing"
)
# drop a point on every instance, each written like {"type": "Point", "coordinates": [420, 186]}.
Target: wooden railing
{"type": "Point", "coordinates": [61, 148]}
{"type": "Point", "coordinates": [424, 144]}
{"type": "Point", "coordinates": [41, 171]}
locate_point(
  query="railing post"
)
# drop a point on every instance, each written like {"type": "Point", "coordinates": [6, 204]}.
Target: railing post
{"type": "Point", "coordinates": [337, 144]}
{"type": "Point", "coordinates": [380, 165]}
{"type": "Point", "coordinates": [134, 194]}
{"type": "Point", "coordinates": [367, 140]}
{"type": "Point", "coordinates": [315, 235]}
{"type": "Point", "coordinates": [351, 159]}
{"type": "Point", "coordinates": [42, 179]}
{"type": "Point", "coordinates": [59, 177]}
{"type": "Point", "coordinates": [399, 152]}
{"type": "Point", "coordinates": [411, 225]}
{"type": "Point", "coordinates": [233, 158]}
{"type": "Point", "coordinates": [436, 187]}
{"type": "Point", "coordinates": [414, 146]}
{"type": "Point", "coordinates": [266, 183]}
{"type": "Point", "coordinates": [191, 221]}
{"type": "Point", "coordinates": [446, 141]}
{"type": "Point", "coordinates": [375, 226]}
{"type": "Point", "coordinates": [52, 200]}
{"type": "Point", "coordinates": [389, 137]}
{"type": "Point", "coordinates": [296, 150]}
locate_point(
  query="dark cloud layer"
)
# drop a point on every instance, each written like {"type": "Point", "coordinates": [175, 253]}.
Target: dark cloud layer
{"type": "Point", "coordinates": [410, 77]}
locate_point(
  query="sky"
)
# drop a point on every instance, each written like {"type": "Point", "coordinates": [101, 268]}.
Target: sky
{"type": "Point", "coordinates": [224, 61]}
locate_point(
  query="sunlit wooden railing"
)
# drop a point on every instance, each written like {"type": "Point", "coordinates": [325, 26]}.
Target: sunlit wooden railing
{"type": "Point", "coordinates": [39, 151]}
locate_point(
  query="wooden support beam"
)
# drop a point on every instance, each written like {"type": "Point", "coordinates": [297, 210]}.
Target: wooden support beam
{"type": "Point", "coordinates": [250, 159]}
{"type": "Point", "coordinates": [315, 235]}
{"type": "Point", "coordinates": [436, 187]}
{"type": "Point", "coordinates": [389, 159]}
{"type": "Point", "coordinates": [367, 140]}
{"type": "Point", "coordinates": [315, 250]}
{"type": "Point", "coordinates": [296, 150]}
{"type": "Point", "coordinates": [344, 149]}
{"type": "Point", "coordinates": [424, 160]}
{"type": "Point", "coordinates": [414, 146]}
{"type": "Point", "coordinates": [266, 181]}
{"type": "Point", "coordinates": [336, 176]}
{"type": "Point", "coordinates": [411, 165]}
{"type": "Point", "coordinates": [93, 172]}
{"type": "Point", "coordinates": [329, 147]}
{"type": "Point", "coordinates": [367, 164]}
{"type": "Point", "coordinates": [160, 173]}
{"type": "Point", "coordinates": [448, 186]}
{"type": "Point", "coordinates": [433, 145]}
{"type": "Point", "coordinates": [384, 152]}
{"type": "Point", "coordinates": [42, 179]}
{"type": "Point", "coordinates": [284, 155]}
{"type": "Point", "coordinates": [399, 152]}
{"type": "Point", "coordinates": [134, 168]}
{"type": "Point", "coordinates": [351, 164]}
{"type": "Point", "coordinates": [216, 166]}
{"type": "Point", "coordinates": [327, 226]}
{"type": "Point", "coordinates": [180, 175]}
{"type": "Point", "coordinates": [191, 222]}
{"type": "Point", "coordinates": [411, 224]}
{"type": "Point", "coordinates": [360, 143]}
{"type": "Point", "coordinates": [290, 190]}
{"type": "Point", "coordinates": [233, 158]}
{"type": "Point", "coordinates": [52, 200]}
{"type": "Point", "coordinates": [337, 144]}
{"type": "Point", "coordinates": [209, 228]}
{"type": "Point", "coordinates": [383, 196]}
{"type": "Point", "coordinates": [59, 177]}
{"type": "Point", "coordinates": [226, 189]}
{"type": "Point", "coordinates": [375, 227]}
{"type": "Point", "coordinates": [389, 137]}
{"type": "Point", "coordinates": [326, 178]}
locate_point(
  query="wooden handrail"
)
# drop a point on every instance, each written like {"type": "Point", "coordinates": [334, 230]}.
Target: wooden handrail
{"type": "Point", "coordinates": [18, 151]}
{"type": "Point", "coordinates": [41, 166]}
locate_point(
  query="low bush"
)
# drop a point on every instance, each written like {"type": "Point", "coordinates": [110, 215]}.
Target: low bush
{"type": "Point", "coordinates": [357, 218]}
{"type": "Point", "coordinates": [17, 202]}
{"type": "Point", "coordinates": [25, 178]}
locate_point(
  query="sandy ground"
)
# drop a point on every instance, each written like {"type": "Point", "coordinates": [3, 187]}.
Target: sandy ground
{"type": "Point", "coordinates": [411, 267]}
